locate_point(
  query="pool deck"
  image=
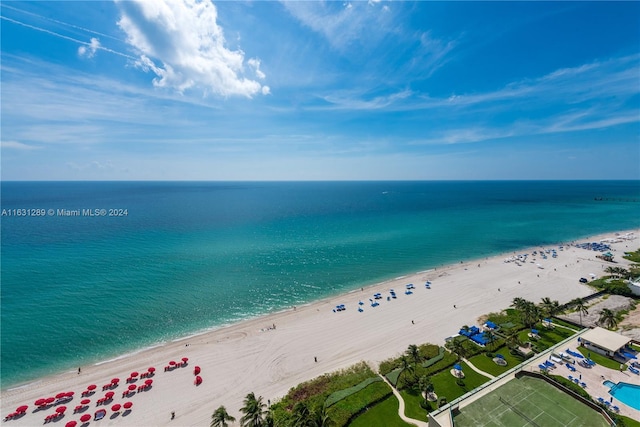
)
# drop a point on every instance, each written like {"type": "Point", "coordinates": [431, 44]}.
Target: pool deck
{"type": "Point", "coordinates": [594, 378]}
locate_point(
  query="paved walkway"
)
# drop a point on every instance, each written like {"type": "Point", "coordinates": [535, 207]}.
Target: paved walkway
{"type": "Point", "coordinates": [401, 407]}
{"type": "Point", "coordinates": [478, 370]}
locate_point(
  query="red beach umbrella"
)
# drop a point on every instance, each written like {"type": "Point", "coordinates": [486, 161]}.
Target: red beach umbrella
{"type": "Point", "coordinates": [185, 359]}
{"type": "Point", "coordinates": [128, 405]}
{"type": "Point", "coordinates": [22, 409]}
{"type": "Point", "coordinates": [85, 418]}
{"type": "Point", "coordinates": [198, 380]}
{"type": "Point", "coordinates": [196, 370]}
{"type": "Point", "coordinates": [132, 387]}
{"type": "Point", "coordinates": [69, 393]}
{"type": "Point", "coordinates": [151, 369]}
{"type": "Point", "coordinates": [116, 407]}
{"type": "Point", "coordinates": [50, 399]}
{"type": "Point", "coordinates": [61, 409]}
{"type": "Point", "coordinates": [115, 380]}
{"type": "Point", "coordinates": [92, 387]}
{"type": "Point", "coordinates": [149, 381]}
{"type": "Point", "coordinates": [173, 362]}
{"type": "Point", "coordinates": [134, 374]}
{"type": "Point", "coordinates": [109, 394]}
{"type": "Point", "coordinates": [71, 424]}
{"type": "Point", "coordinates": [61, 395]}
{"type": "Point", "coordinates": [85, 401]}
{"type": "Point", "coordinates": [40, 402]}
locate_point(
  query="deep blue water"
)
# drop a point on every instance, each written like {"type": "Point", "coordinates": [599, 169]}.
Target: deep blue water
{"type": "Point", "coordinates": [189, 256]}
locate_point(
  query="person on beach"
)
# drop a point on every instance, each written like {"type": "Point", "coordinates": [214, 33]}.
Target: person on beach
{"type": "Point", "coordinates": [454, 306]}
{"type": "Point", "coordinates": [173, 414]}
{"type": "Point", "coordinates": [413, 323]}
{"type": "Point", "coordinates": [79, 371]}
{"type": "Point", "coordinates": [315, 359]}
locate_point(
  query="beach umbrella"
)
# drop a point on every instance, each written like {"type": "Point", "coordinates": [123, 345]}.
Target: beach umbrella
{"type": "Point", "coordinates": [186, 359]}
{"type": "Point", "coordinates": [92, 387]}
{"type": "Point", "coordinates": [151, 369]}
{"type": "Point", "coordinates": [132, 387]}
{"type": "Point", "coordinates": [61, 395]}
{"type": "Point", "coordinates": [457, 367]}
{"type": "Point", "coordinates": [40, 402]}
{"type": "Point", "coordinates": [85, 401]}
{"type": "Point", "coordinates": [22, 409]}
{"type": "Point", "coordinates": [61, 409]}
{"type": "Point", "coordinates": [116, 407]}
{"type": "Point", "coordinates": [109, 394]}
{"type": "Point", "coordinates": [115, 380]}
{"type": "Point", "coordinates": [134, 374]}
{"type": "Point", "coordinates": [85, 418]}
{"type": "Point", "coordinates": [149, 381]}
{"type": "Point", "coordinates": [50, 399]}
{"type": "Point", "coordinates": [71, 424]}
{"type": "Point", "coordinates": [128, 405]}
{"type": "Point", "coordinates": [196, 370]}
{"type": "Point", "coordinates": [173, 362]}
{"type": "Point", "coordinates": [70, 393]}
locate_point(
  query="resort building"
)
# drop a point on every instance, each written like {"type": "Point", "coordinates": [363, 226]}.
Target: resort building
{"type": "Point", "coordinates": [605, 342]}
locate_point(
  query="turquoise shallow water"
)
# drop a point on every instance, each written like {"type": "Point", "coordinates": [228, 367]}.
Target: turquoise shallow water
{"type": "Point", "coordinates": [192, 256]}
{"type": "Point", "coordinates": [628, 394]}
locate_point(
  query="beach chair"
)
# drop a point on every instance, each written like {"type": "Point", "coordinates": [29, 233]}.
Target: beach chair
{"type": "Point", "coordinates": [583, 385]}
{"type": "Point", "coordinates": [570, 377]}
{"type": "Point", "coordinates": [542, 367]}
{"type": "Point", "coordinates": [615, 408]}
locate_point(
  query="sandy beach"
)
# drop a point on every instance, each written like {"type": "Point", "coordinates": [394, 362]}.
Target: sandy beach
{"type": "Point", "coordinates": [252, 356]}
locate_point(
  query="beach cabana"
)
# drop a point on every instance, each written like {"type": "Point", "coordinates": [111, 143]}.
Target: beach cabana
{"type": "Point", "coordinates": [604, 342]}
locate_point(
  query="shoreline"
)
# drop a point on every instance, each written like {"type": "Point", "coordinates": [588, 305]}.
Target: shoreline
{"type": "Point", "coordinates": [119, 355]}
{"type": "Point", "coordinates": [248, 356]}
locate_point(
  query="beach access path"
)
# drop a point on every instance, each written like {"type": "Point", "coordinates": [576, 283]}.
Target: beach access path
{"type": "Point", "coordinates": [252, 356]}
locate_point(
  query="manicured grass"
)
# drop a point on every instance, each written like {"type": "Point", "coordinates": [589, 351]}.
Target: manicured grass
{"type": "Point", "coordinates": [412, 409]}
{"type": "Point", "coordinates": [384, 414]}
{"type": "Point", "coordinates": [344, 409]}
{"type": "Point", "coordinates": [566, 324]}
{"type": "Point", "coordinates": [487, 364]}
{"type": "Point", "coordinates": [445, 384]}
{"type": "Point", "coordinates": [532, 399]}
{"type": "Point", "coordinates": [601, 360]}
{"type": "Point", "coordinates": [628, 422]}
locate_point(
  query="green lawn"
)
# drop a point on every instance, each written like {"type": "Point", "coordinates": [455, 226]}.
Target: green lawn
{"type": "Point", "coordinates": [487, 364]}
{"type": "Point", "coordinates": [445, 384]}
{"type": "Point", "coordinates": [601, 360]}
{"type": "Point", "coordinates": [523, 400]}
{"type": "Point", "coordinates": [412, 409]}
{"type": "Point", "coordinates": [568, 325]}
{"type": "Point", "coordinates": [548, 337]}
{"type": "Point", "coordinates": [384, 414]}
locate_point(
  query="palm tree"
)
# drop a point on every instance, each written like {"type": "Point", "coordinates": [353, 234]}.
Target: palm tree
{"type": "Point", "coordinates": [530, 314]}
{"type": "Point", "coordinates": [491, 338]}
{"type": "Point", "coordinates": [413, 352]}
{"type": "Point", "coordinates": [253, 411]}
{"type": "Point", "coordinates": [301, 416]}
{"type": "Point", "coordinates": [608, 318]}
{"type": "Point", "coordinates": [458, 348]}
{"type": "Point", "coordinates": [321, 418]}
{"type": "Point", "coordinates": [220, 417]}
{"type": "Point", "coordinates": [512, 340]}
{"type": "Point", "coordinates": [580, 307]}
{"type": "Point", "coordinates": [426, 386]}
{"type": "Point", "coordinates": [518, 303]}
{"type": "Point", "coordinates": [550, 308]}
{"type": "Point", "coordinates": [405, 367]}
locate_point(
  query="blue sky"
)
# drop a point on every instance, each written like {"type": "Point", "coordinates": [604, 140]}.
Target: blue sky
{"type": "Point", "coordinates": [310, 90]}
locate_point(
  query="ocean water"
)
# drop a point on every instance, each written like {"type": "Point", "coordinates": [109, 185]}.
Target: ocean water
{"type": "Point", "coordinates": [184, 257]}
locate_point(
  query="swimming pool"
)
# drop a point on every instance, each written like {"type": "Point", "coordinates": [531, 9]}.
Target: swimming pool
{"type": "Point", "coordinates": [629, 394]}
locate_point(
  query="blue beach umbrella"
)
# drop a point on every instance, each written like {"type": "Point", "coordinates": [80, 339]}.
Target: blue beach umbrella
{"type": "Point", "coordinates": [457, 367]}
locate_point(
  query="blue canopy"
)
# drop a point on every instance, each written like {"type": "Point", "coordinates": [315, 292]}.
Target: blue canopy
{"type": "Point", "coordinates": [499, 356]}
{"type": "Point", "coordinates": [490, 324]}
{"type": "Point", "coordinates": [534, 331]}
{"type": "Point", "coordinates": [457, 367]}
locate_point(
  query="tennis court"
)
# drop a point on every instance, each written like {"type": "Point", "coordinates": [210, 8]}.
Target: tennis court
{"type": "Point", "coordinates": [528, 402]}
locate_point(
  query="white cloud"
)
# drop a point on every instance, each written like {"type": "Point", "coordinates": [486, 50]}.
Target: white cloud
{"type": "Point", "coordinates": [89, 50]}
{"type": "Point", "coordinates": [15, 145]}
{"type": "Point", "coordinates": [183, 45]}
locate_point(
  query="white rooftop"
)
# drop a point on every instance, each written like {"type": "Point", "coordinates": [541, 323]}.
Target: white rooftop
{"type": "Point", "coordinates": [606, 339]}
